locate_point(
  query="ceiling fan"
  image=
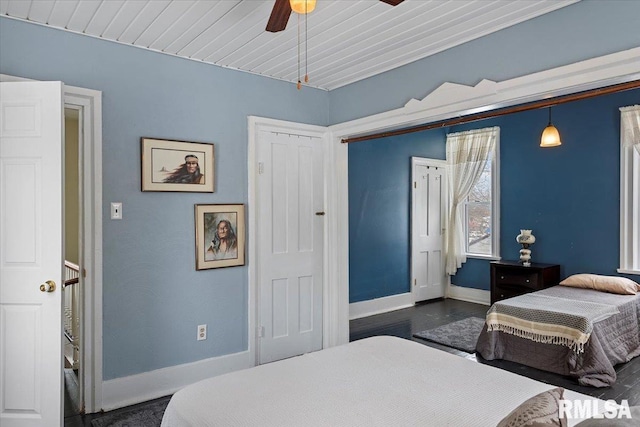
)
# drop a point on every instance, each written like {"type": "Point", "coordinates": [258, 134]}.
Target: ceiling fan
{"type": "Point", "coordinates": [282, 10]}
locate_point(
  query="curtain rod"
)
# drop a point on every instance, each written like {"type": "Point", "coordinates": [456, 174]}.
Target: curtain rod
{"type": "Point", "coordinates": [502, 112]}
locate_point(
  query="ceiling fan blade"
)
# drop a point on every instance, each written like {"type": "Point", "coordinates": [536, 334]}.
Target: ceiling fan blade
{"type": "Point", "coordinates": [279, 16]}
{"type": "Point", "coordinates": [282, 10]}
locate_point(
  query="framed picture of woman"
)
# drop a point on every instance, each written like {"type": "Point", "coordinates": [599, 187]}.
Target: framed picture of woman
{"type": "Point", "coordinates": [177, 166]}
{"type": "Point", "coordinates": [220, 236]}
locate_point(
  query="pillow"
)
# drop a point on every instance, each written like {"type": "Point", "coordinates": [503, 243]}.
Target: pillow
{"type": "Point", "coordinates": [540, 410]}
{"type": "Point", "coordinates": [612, 284]}
{"type": "Point", "coordinates": [633, 421]}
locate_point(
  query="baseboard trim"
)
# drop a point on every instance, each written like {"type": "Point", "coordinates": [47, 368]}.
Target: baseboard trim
{"type": "Point", "coordinates": [461, 293]}
{"type": "Point", "coordinates": [380, 305]}
{"type": "Point", "coordinates": [126, 391]}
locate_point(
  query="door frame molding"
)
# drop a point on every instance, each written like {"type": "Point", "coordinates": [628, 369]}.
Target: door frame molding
{"type": "Point", "coordinates": [436, 163]}
{"type": "Point", "coordinates": [89, 103]}
{"type": "Point", "coordinates": [329, 324]}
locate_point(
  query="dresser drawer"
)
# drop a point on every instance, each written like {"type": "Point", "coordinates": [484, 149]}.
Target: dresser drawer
{"type": "Point", "coordinates": [510, 278]}
{"type": "Point", "coordinates": [516, 278]}
{"type": "Point", "coordinates": [504, 293]}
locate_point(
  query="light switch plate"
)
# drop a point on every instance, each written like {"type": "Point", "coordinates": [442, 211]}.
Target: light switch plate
{"type": "Point", "coordinates": [116, 210]}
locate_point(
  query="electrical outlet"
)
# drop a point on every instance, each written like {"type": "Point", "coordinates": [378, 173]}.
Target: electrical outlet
{"type": "Point", "coordinates": [202, 332]}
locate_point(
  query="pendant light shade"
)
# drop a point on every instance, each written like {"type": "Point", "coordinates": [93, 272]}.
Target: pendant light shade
{"type": "Point", "coordinates": [550, 136]}
{"type": "Point", "coordinates": [302, 6]}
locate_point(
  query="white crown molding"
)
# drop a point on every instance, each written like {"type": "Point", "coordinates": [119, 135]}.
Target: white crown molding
{"type": "Point", "coordinates": [452, 99]}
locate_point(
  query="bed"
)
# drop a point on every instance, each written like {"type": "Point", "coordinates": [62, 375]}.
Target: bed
{"type": "Point", "coordinates": [613, 340]}
{"type": "Point", "coordinates": [378, 381]}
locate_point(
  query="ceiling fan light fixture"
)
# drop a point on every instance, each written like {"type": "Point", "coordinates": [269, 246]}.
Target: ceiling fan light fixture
{"type": "Point", "coordinates": [302, 6]}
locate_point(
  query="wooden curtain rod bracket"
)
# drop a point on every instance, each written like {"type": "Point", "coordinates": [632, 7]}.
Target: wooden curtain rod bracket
{"type": "Point", "coordinates": [634, 84]}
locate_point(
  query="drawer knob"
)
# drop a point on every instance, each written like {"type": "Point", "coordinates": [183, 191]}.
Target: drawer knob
{"type": "Point", "coordinates": [502, 277]}
{"type": "Point", "coordinates": [527, 280]}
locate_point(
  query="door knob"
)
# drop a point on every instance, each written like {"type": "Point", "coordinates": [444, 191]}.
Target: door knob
{"type": "Point", "coordinates": [48, 286]}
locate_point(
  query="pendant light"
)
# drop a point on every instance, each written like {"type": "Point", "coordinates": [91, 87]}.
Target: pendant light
{"type": "Point", "coordinates": [302, 7]}
{"type": "Point", "coordinates": [550, 136]}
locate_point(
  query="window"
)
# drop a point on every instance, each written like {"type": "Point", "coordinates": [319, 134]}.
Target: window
{"type": "Point", "coordinates": [630, 190]}
{"type": "Point", "coordinates": [472, 174]}
{"type": "Point", "coordinates": [477, 213]}
{"type": "Point", "coordinates": [480, 209]}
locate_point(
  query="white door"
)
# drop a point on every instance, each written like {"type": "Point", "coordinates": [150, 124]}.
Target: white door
{"type": "Point", "coordinates": [290, 244]}
{"type": "Point", "coordinates": [31, 130]}
{"type": "Point", "coordinates": [427, 228]}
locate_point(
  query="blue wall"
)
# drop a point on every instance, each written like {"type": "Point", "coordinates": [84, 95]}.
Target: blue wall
{"type": "Point", "coordinates": [379, 196]}
{"type": "Point", "coordinates": [153, 298]}
{"type": "Point", "coordinates": [568, 195]}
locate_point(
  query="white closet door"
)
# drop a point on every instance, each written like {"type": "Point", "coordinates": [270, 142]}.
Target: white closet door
{"type": "Point", "coordinates": [427, 229]}
{"type": "Point", "coordinates": [290, 244]}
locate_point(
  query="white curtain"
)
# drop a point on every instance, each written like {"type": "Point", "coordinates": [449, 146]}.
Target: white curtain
{"type": "Point", "coordinates": [630, 117]}
{"type": "Point", "coordinates": [467, 153]}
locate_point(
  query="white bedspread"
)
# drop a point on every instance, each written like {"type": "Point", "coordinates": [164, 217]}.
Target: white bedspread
{"type": "Point", "coordinates": [379, 381]}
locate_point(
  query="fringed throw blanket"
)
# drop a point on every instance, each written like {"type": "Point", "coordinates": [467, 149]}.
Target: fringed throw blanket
{"type": "Point", "coordinates": [547, 319]}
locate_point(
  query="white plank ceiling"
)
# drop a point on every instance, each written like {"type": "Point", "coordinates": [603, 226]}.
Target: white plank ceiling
{"type": "Point", "coordinates": [347, 40]}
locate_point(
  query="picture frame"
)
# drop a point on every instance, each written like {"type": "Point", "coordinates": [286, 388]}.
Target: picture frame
{"type": "Point", "coordinates": [169, 165]}
{"type": "Point", "coordinates": [220, 236]}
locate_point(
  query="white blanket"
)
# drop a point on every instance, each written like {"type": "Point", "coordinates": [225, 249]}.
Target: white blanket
{"type": "Point", "coordinates": [379, 381]}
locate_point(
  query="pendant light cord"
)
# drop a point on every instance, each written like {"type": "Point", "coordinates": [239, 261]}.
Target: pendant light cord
{"type": "Point", "coordinates": [299, 83]}
{"type": "Point", "coordinates": [306, 50]}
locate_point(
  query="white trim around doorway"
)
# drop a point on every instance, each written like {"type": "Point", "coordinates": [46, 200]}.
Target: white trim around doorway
{"type": "Point", "coordinates": [332, 333]}
{"type": "Point", "coordinates": [89, 104]}
{"type": "Point", "coordinates": [453, 100]}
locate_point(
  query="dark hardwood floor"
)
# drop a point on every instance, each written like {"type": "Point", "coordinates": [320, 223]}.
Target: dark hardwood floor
{"type": "Point", "coordinates": [85, 420]}
{"type": "Point", "coordinates": [404, 323]}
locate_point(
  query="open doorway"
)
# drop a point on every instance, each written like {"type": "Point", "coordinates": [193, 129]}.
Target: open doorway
{"type": "Point", "coordinates": [82, 290]}
{"type": "Point", "coordinates": [84, 158]}
{"type": "Point", "coordinates": [73, 282]}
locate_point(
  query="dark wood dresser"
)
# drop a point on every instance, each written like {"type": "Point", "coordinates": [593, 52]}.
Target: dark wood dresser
{"type": "Point", "coordinates": [510, 278]}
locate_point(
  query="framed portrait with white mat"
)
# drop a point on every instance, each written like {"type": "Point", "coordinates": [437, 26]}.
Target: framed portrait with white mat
{"type": "Point", "coordinates": [177, 166]}
{"type": "Point", "coordinates": [220, 236]}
